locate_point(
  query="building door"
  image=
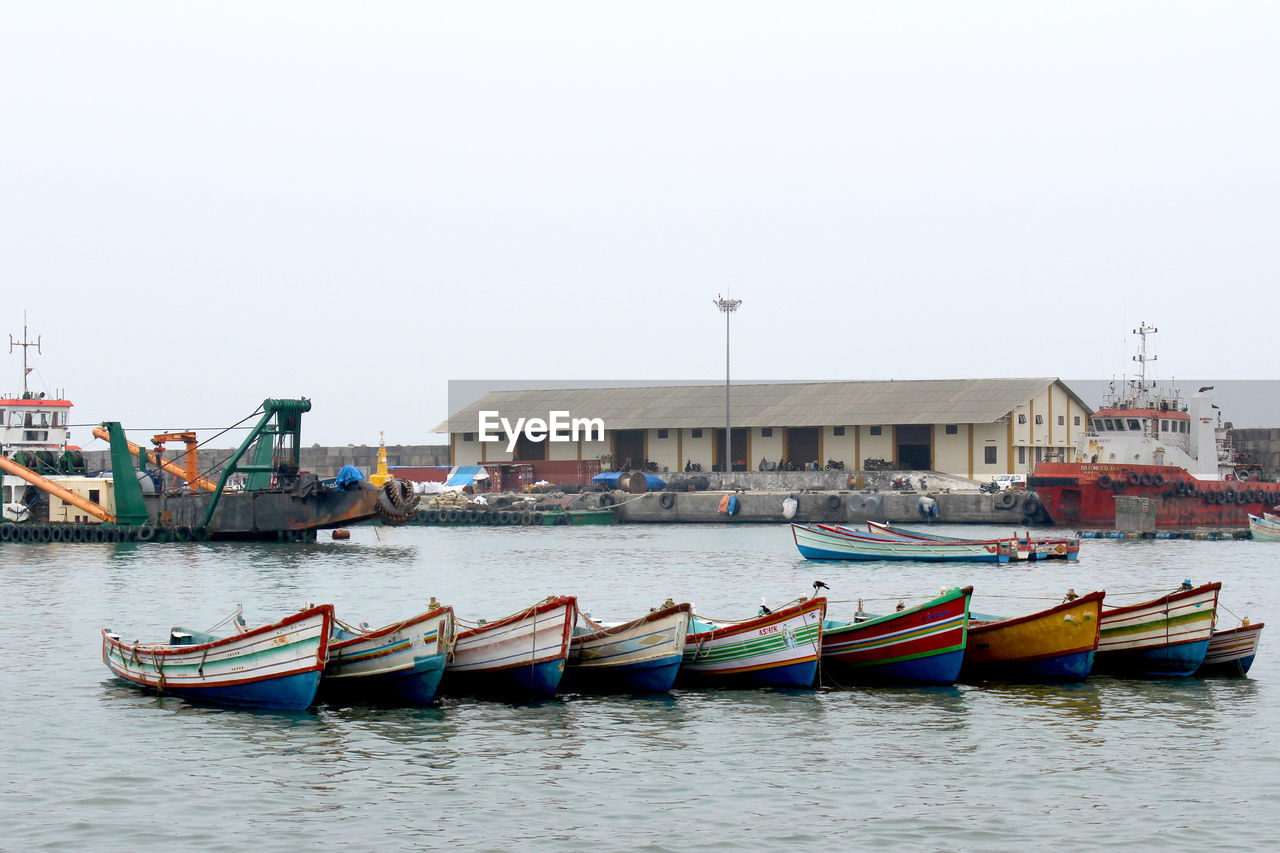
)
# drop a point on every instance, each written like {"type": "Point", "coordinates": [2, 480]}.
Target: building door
{"type": "Point", "coordinates": [914, 445]}
{"type": "Point", "coordinates": [628, 449]}
{"type": "Point", "coordinates": [739, 450]}
{"type": "Point", "coordinates": [802, 447]}
{"type": "Point", "coordinates": [529, 451]}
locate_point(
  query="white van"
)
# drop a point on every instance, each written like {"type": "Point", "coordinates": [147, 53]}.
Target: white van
{"type": "Point", "coordinates": [1010, 481]}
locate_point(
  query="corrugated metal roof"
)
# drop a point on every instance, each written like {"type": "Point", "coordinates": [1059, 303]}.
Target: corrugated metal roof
{"type": "Point", "coordinates": [786, 404]}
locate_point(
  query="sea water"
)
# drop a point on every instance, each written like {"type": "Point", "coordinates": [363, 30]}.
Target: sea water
{"type": "Point", "coordinates": [88, 762]}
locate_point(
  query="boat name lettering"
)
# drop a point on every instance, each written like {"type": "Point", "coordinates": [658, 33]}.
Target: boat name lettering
{"type": "Point", "coordinates": [768, 629]}
{"type": "Point", "coordinates": [934, 615]}
{"type": "Point", "coordinates": [559, 426]}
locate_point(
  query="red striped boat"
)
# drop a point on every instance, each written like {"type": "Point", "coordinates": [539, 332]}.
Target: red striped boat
{"type": "Point", "coordinates": [1231, 652]}
{"type": "Point", "coordinates": [919, 645]}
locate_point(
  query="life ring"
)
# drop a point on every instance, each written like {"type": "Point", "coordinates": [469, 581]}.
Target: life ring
{"type": "Point", "coordinates": [1157, 479]}
{"type": "Point", "coordinates": [1104, 481]}
{"type": "Point", "coordinates": [833, 502]}
{"type": "Point", "coordinates": [1119, 486]}
{"type": "Point", "coordinates": [606, 500]}
{"type": "Point", "coordinates": [1145, 479]}
{"type": "Point", "coordinates": [1005, 500]}
{"type": "Point", "coordinates": [1133, 478]}
{"type": "Point", "coordinates": [667, 500]}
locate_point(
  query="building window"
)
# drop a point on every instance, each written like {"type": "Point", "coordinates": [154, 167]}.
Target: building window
{"type": "Point", "coordinates": [875, 430]}
{"type": "Point", "coordinates": [468, 436]}
{"type": "Point", "coordinates": [766, 432]}
{"type": "Point", "coordinates": [951, 429]}
{"type": "Point", "coordinates": [1039, 419]}
{"type": "Point", "coordinates": [1077, 420]}
{"type": "Point", "coordinates": [662, 433]}
{"type": "Point", "coordinates": [1134, 425]}
{"type": "Point", "coordinates": [1022, 419]}
{"type": "Point", "coordinates": [989, 455]}
{"type": "Point", "coordinates": [1062, 421]}
{"type": "Point", "coordinates": [1022, 456]}
{"type": "Point", "coordinates": [697, 433]}
{"type": "Point", "coordinates": [837, 430]}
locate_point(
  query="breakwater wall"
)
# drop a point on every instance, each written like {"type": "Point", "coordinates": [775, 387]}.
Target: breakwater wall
{"type": "Point", "coordinates": [822, 507]}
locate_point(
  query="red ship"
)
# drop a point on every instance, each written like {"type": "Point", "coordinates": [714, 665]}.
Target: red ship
{"type": "Point", "coordinates": [1146, 443]}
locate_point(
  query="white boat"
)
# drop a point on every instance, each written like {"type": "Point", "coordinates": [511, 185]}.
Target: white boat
{"type": "Point", "coordinates": [641, 655]}
{"type": "Point", "coordinates": [275, 666]}
{"type": "Point", "coordinates": [1231, 652]}
{"type": "Point", "coordinates": [779, 648]}
{"type": "Point", "coordinates": [1264, 527]}
{"type": "Point", "coordinates": [825, 542]}
{"type": "Point", "coordinates": [403, 661]}
{"type": "Point", "coordinates": [1166, 636]}
{"type": "Point", "coordinates": [522, 655]}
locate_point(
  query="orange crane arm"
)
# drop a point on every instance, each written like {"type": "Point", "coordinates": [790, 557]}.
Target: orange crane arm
{"type": "Point", "coordinates": [54, 489]}
{"type": "Point", "coordinates": [171, 467]}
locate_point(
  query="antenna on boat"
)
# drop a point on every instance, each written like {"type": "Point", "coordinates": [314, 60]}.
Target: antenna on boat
{"type": "Point", "coordinates": [1142, 358]}
{"type": "Point", "coordinates": [26, 343]}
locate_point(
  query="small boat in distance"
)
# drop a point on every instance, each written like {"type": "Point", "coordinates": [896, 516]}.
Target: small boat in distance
{"type": "Point", "coordinates": [1167, 636]}
{"type": "Point", "coordinates": [1265, 527]}
{"type": "Point", "coordinates": [402, 662]}
{"type": "Point", "coordinates": [519, 656]}
{"type": "Point", "coordinates": [1024, 547]}
{"type": "Point", "coordinates": [827, 542]}
{"type": "Point", "coordinates": [641, 655]}
{"type": "Point", "coordinates": [1231, 652]}
{"type": "Point", "coordinates": [1056, 644]}
{"type": "Point", "coordinates": [778, 648]}
{"type": "Point", "coordinates": [917, 645]}
{"type": "Point", "coordinates": [275, 666]}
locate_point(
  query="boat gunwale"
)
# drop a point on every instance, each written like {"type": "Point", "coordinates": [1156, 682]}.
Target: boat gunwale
{"type": "Point", "coordinates": [379, 633]}
{"type": "Point", "coordinates": [981, 626]}
{"type": "Point", "coordinates": [251, 634]}
{"type": "Point", "coordinates": [733, 628]}
{"type": "Point", "coordinates": [946, 598]}
{"type": "Point", "coordinates": [1176, 595]}
{"type": "Point", "coordinates": [538, 609]}
{"type": "Point", "coordinates": [652, 616]}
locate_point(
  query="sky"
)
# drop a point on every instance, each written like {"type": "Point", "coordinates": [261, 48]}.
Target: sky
{"type": "Point", "coordinates": [206, 204]}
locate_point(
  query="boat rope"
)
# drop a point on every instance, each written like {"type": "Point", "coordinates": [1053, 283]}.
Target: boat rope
{"type": "Point", "coordinates": [237, 612]}
{"type": "Point", "coordinates": [1222, 606]}
{"type": "Point", "coordinates": [203, 658]}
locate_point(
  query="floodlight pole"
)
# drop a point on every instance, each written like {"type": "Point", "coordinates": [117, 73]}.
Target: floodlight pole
{"type": "Point", "coordinates": [728, 306]}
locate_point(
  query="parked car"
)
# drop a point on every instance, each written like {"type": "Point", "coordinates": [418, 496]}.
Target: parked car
{"type": "Point", "coordinates": [1010, 481]}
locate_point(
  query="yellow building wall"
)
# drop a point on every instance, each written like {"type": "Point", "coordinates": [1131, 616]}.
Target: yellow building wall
{"type": "Point", "coordinates": [770, 448]}
{"type": "Point", "coordinates": [990, 435]}
{"type": "Point", "coordinates": [951, 452]}
{"type": "Point", "coordinates": [875, 446]}
{"type": "Point", "coordinates": [839, 447]}
{"type": "Point", "coordinates": [665, 451]}
{"type": "Point", "coordinates": [697, 449]}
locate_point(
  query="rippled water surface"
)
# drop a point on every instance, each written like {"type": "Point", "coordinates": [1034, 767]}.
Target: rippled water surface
{"type": "Point", "coordinates": [90, 763]}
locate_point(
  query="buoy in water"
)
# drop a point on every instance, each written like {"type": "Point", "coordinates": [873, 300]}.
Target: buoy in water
{"type": "Point", "coordinates": [342, 534]}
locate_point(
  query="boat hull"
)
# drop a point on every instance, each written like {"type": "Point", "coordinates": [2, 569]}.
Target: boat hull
{"type": "Point", "coordinates": [779, 649]}
{"type": "Point", "coordinates": [920, 645]}
{"type": "Point", "coordinates": [1165, 637]}
{"type": "Point", "coordinates": [520, 656]}
{"type": "Point", "coordinates": [276, 666]}
{"type": "Point", "coordinates": [642, 656]}
{"type": "Point", "coordinates": [1263, 530]}
{"type": "Point", "coordinates": [1084, 495]}
{"type": "Point", "coordinates": [1024, 548]}
{"type": "Point", "coordinates": [401, 663]}
{"type": "Point", "coordinates": [1057, 644]}
{"type": "Point", "coordinates": [823, 542]}
{"type": "Point", "coordinates": [1231, 652]}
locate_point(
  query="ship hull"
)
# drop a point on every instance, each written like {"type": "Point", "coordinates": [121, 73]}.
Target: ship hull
{"type": "Point", "coordinates": [1084, 495]}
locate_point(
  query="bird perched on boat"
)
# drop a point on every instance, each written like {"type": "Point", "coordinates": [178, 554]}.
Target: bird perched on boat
{"type": "Point", "coordinates": [817, 585]}
{"type": "Point", "coordinates": [764, 611]}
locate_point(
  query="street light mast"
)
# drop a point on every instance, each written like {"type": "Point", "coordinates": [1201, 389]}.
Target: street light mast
{"type": "Point", "coordinates": [728, 306]}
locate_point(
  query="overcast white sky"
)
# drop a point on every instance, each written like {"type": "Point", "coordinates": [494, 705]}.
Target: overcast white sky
{"type": "Point", "coordinates": [205, 204]}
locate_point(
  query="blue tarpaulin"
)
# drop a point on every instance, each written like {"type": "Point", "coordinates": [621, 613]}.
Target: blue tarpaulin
{"type": "Point", "coordinates": [610, 479]}
{"type": "Point", "coordinates": [348, 476]}
{"type": "Point", "coordinates": [463, 475]}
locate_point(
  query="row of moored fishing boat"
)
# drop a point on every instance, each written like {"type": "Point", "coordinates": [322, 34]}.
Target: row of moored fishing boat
{"type": "Point", "coordinates": [553, 646]}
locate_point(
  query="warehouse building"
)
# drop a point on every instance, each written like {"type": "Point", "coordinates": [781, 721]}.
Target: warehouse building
{"type": "Point", "coordinates": [974, 428]}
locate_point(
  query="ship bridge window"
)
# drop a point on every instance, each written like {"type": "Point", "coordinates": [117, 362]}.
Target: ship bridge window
{"type": "Point", "coordinates": [1111, 424]}
{"type": "Point", "coordinates": [1134, 425]}
{"type": "Point", "coordinates": [15, 418]}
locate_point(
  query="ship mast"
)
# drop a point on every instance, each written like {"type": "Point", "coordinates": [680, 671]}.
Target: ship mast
{"type": "Point", "coordinates": [1142, 358]}
{"type": "Point", "coordinates": [25, 343]}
